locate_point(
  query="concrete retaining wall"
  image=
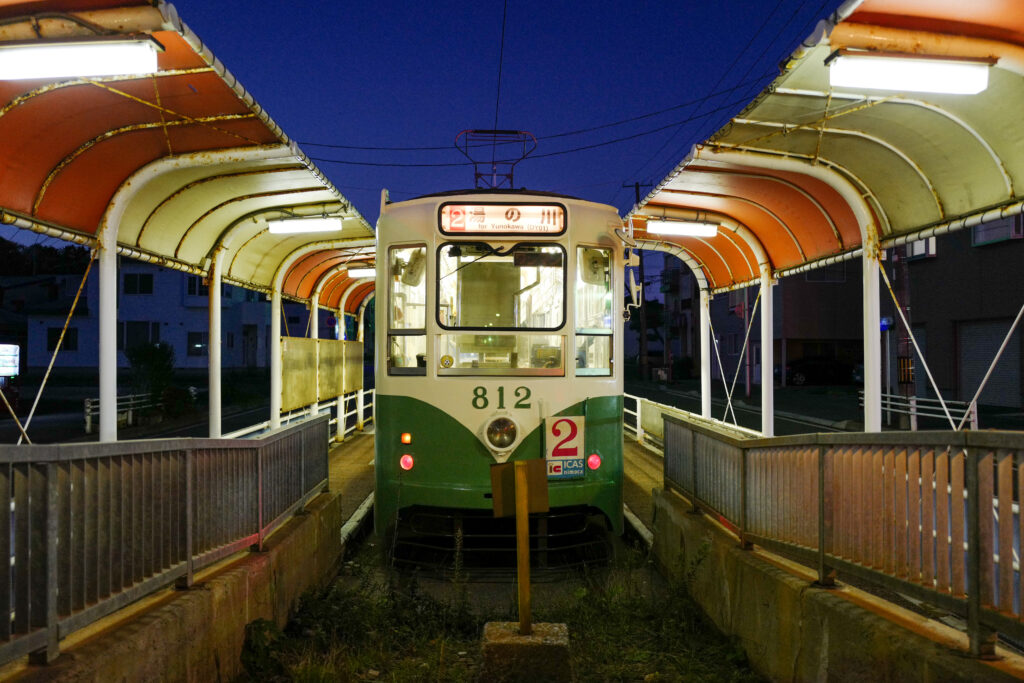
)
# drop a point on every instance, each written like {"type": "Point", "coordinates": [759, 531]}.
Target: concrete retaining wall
{"type": "Point", "coordinates": [197, 635]}
{"type": "Point", "coordinates": [794, 631]}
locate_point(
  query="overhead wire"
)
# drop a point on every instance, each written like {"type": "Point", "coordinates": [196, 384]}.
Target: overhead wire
{"type": "Point", "coordinates": [568, 133]}
{"type": "Point", "coordinates": [581, 148]}
{"type": "Point", "coordinates": [721, 77]}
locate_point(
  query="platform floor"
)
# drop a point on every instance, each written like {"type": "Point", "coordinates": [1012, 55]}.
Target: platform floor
{"type": "Point", "coordinates": [351, 475]}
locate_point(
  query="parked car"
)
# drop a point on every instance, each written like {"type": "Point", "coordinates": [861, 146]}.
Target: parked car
{"type": "Point", "coordinates": [818, 370]}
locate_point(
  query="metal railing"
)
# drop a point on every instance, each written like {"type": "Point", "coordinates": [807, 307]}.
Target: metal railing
{"type": "Point", "coordinates": [90, 528]}
{"type": "Point", "coordinates": [354, 417]}
{"type": "Point", "coordinates": [126, 407]}
{"type": "Point", "coordinates": [916, 407]}
{"type": "Point", "coordinates": [932, 515]}
{"type": "Point", "coordinates": [642, 420]}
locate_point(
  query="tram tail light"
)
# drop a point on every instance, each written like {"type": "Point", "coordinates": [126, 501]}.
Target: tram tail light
{"type": "Point", "coordinates": [406, 438]}
{"type": "Point", "coordinates": [406, 462]}
{"type": "Point", "coordinates": [594, 461]}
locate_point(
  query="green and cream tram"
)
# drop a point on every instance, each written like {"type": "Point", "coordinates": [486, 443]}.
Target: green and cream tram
{"type": "Point", "coordinates": [498, 335]}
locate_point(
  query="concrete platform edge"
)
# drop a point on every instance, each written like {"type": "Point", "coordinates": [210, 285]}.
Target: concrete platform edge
{"type": "Point", "coordinates": [792, 630]}
{"type": "Point", "coordinates": [198, 634]}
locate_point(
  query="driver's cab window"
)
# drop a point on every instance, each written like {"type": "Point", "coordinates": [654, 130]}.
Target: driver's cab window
{"type": "Point", "coordinates": [407, 306]}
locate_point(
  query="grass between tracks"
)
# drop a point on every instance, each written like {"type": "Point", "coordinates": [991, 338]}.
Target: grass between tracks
{"type": "Point", "coordinates": [625, 624]}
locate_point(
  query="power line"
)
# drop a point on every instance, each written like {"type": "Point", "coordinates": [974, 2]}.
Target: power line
{"type": "Point", "coordinates": [579, 131]}
{"type": "Point", "coordinates": [348, 162]}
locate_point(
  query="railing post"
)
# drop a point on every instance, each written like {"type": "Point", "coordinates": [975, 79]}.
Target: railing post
{"type": "Point", "coordinates": [693, 472]}
{"type": "Point", "coordinates": [982, 638]}
{"type": "Point", "coordinates": [259, 496]}
{"type": "Point", "coordinates": [189, 578]}
{"type": "Point", "coordinates": [913, 413]}
{"type": "Point", "coordinates": [359, 410]}
{"type": "Point", "coordinates": [974, 416]}
{"type": "Point", "coordinates": [88, 416]}
{"type": "Point", "coordinates": [639, 420]}
{"type": "Point", "coordinates": [340, 422]}
{"type": "Point", "coordinates": [43, 486]}
{"type": "Point", "coordinates": [826, 577]}
{"type": "Point", "coordinates": [744, 543]}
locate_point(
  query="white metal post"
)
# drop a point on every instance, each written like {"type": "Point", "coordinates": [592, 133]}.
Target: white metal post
{"type": "Point", "coordinates": [767, 354]}
{"type": "Point", "coordinates": [314, 334]}
{"type": "Point", "coordinates": [639, 420]}
{"type": "Point", "coordinates": [359, 410]}
{"type": "Point", "coordinates": [275, 357]}
{"type": "Point", "coordinates": [213, 345]}
{"type": "Point", "coordinates": [872, 344]}
{"type": "Point", "coordinates": [705, 354]}
{"type": "Point", "coordinates": [108, 334]}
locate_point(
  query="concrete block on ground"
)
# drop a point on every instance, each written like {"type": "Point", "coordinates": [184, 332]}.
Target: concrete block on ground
{"type": "Point", "coordinates": [541, 656]}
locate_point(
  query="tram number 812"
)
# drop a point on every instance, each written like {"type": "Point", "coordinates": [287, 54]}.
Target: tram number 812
{"type": "Point", "coordinates": [481, 401]}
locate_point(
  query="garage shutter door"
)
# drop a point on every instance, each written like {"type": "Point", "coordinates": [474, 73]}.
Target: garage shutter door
{"type": "Point", "coordinates": [978, 343]}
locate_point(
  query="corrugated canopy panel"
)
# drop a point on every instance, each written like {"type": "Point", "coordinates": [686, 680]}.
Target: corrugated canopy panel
{"type": "Point", "coordinates": [184, 161]}
{"type": "Point", "coordinates": [812, 169]}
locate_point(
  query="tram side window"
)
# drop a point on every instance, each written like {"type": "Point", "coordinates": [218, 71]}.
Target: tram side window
{"type": "Point", "coordinates": [407, 293]}
{"type": "Point", "coordinates": [593, 311]}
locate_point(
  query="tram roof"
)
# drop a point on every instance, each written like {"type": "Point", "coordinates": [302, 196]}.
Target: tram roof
{"type": "Point", "coordinates": [184, 161]}
{"type": "Point", "coordinates": [807, 174]}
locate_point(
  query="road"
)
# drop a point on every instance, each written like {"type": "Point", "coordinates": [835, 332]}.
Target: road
{"type": "Point", "coordinates": [70, 427]}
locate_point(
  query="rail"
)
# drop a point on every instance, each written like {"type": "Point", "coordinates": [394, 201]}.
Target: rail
{"type": "Point", "coordinates": [90, 528]}
{"type": "Point", "coordinates": [932, 515]}
{"type": "Point", "coordinates": [354, 407]}
{"type": "Point", "coordinates": [916, 407]}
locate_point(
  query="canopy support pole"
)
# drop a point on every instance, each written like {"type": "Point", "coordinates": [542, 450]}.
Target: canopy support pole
{"type": "Point", "coordinates": [108, 332]}
{"type": "Point", "coordinates": [705, 354]}
{"type": "Point", "coordinates": [314, 334]}
{"type": "Point", "coordinates": [767, 354]}
{"type": "Point", "coordinates": [214, 358]}
{"type": "Point", "coordinates": [275, 356]}
{"type": "Point", "coordinates": [872, 342]}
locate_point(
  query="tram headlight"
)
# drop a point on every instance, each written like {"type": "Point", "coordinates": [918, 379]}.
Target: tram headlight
{"type": "Point", "coordinates": [502, 432]}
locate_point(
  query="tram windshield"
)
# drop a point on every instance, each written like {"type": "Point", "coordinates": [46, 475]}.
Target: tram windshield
{"type": "Point", "coordinates": [485, 287]}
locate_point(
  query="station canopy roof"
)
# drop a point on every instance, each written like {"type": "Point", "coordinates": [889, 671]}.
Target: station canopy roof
{"type": "Point", "coordinates": [809, 173]}
{"type": "Point", "coordinates": [182, 163]}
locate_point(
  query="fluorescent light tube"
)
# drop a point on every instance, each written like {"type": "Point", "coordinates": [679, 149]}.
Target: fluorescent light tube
{"type": "Point", "coordinates": [77, 59]}
{"type": "Point", "coordinates": [682, 228]}
{"type": "Point", "coordinates": [291, 226]}
{"type": "Point", "coordinates": [913, 74]}
{"type": "Point", "coordinates": [356, 273]}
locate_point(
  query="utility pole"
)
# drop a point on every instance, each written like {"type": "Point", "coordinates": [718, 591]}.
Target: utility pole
{"type": "Point", "coordinates": [645, 371]}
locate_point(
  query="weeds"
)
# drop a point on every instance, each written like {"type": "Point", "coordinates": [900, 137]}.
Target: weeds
{"type": "Point", "coordinates": [625, 624]}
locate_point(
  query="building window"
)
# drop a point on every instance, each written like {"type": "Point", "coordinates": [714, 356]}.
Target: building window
{"type": "Point", "coordinates": [732, 344]}
{"type": "Point", "coordinates": [70, 342]}
{"type": "Point", "coordinates": [230, 341]}
{"type": "Point", "coordinates": [137, 333]}
{"type": "Point", "coordinates": [921, 248]}
{"type": "Point", "coordinates": [195, 286]}
{"type": "Point", "coordinates": [997, 231]}
{"type": "Point", "coordinates": [138, 283]}
{"type": "Point", "coordinates": [198, 343]}
{"type": "Point", "coordinates": [293, 320]}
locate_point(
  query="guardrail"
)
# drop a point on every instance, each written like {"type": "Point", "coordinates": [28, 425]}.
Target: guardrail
{"type": "Point", "coordinates": [89, 528]}
{"type": "Point", "coordinates": [126, 407]}
{"type": "Point", "coordinates": [917, 407]}
{"type": "Point", "coordinates": [353, 418]}
{"type": "Point", "coordinates": [643, 421]}
{"type": "Point", "coordinates": [932, 515]}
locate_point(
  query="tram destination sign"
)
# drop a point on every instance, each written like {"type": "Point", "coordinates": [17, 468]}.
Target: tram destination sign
{"type": "Point", "coordinates": [507, 219]}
